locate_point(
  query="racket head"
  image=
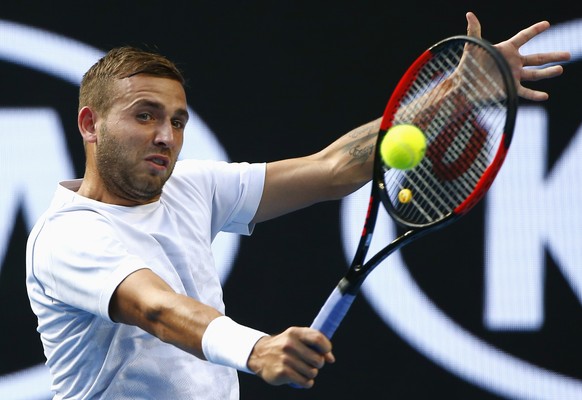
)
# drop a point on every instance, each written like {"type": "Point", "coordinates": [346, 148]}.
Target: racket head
{"type": "Point", "coordinates": [461, 94]}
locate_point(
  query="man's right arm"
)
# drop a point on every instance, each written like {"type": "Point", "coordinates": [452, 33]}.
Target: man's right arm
{"type": "Point", "coordinates": [145, 300]}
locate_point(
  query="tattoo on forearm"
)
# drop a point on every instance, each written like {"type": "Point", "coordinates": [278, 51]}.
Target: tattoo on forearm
{"type": "Point", "coordinates": [362, 148]}
{"type": "Point", "coordinates": [361, 154]}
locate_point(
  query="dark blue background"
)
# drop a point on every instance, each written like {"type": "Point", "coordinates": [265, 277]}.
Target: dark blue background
{"type": "Point", "coordinates": [281, 79]}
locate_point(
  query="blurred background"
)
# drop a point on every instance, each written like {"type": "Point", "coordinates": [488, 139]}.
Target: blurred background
{"type": "Point", "coordinates": [486, 309]}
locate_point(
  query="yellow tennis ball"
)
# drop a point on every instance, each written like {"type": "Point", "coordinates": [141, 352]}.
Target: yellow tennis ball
{"type": "Point", "coordinates": [405, 196]}
{"type": "Point", "coordinates": [403, 147]}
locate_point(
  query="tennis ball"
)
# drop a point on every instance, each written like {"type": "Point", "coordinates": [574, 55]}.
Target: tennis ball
{"type": "Point", "coordinates": [403, 147]}
{"type": "Point", "coordinates": [405, 196]}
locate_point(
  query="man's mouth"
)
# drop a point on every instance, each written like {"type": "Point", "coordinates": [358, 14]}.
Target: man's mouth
{"type": "Point", "coordinates": [162, 161]}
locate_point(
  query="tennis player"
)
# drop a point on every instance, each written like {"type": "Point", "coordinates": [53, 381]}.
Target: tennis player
{"type": "Point", "coordinates": [120, 271]}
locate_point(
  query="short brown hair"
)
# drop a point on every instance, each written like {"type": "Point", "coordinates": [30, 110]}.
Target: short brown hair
{"type": "Point", "coordinates": [119, 63]}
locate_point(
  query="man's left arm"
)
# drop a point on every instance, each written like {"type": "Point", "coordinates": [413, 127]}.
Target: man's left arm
{"type": "Point", "coordinates": [332, 173]}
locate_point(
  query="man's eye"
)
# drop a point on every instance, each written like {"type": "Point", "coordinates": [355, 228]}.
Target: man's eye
{"type": "Point", "coordinates": [178, 124]}
{"type": "Point", "coordinates": [144, 116]}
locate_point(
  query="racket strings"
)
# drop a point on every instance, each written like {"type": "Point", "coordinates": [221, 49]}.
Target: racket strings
{"type": "Point", "coordinates": [458, 99]}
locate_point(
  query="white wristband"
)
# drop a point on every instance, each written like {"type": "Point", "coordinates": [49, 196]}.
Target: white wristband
{"type": "Point", "coordinates": [227, 343]}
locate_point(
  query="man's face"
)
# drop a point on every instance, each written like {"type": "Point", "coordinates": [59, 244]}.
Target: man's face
{"type": "Point", "coordinates": [139, 140]}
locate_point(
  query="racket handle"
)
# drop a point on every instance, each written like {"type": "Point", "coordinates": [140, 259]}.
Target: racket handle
{"type": "Point", "coordinates": [333, 312]}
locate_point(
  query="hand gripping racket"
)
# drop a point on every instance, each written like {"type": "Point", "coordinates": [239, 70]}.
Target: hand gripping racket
{"type": "Point", "coordinates": [461, 94]}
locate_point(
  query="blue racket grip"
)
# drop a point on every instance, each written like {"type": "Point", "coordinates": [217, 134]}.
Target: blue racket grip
{"type": "Point", "coordinates": [333, 312]}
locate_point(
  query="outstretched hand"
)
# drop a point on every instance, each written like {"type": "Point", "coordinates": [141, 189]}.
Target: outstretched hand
{"type": "Point", "coordinates": [510, 50]}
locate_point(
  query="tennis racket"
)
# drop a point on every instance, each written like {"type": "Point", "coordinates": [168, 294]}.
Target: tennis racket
{"type": "Point", "coordinates": [461, 94]}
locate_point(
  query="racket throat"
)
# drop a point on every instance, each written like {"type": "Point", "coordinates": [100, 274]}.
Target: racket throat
{"type": "Point", "coordinates": [356, 275]}
{"type": "Point", "coordinates": [351, 283]}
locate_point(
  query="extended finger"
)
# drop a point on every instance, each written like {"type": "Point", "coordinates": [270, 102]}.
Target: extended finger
{"type": "Point", "coordinates": [533, 95]}
{"type": "Point", "coordinates": [525, 35]}
{"type": "Point", "coordinates": [545, 58]}
{"type": "Point", "coordinates": [534, 74]}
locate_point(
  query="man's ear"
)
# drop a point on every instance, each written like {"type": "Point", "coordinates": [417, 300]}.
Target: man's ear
{"type": "Point", "coordinates": [86, 120]}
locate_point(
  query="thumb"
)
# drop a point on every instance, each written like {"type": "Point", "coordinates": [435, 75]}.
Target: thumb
{"type": "Point", "coordinates": [473, 25]}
